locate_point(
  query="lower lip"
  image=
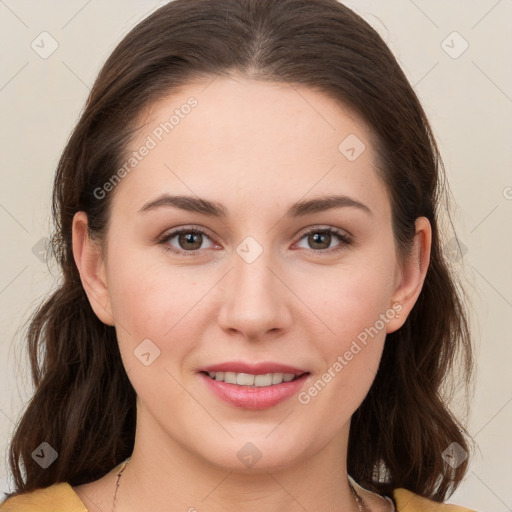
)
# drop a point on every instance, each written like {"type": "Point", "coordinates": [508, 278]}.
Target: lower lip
{"type": "Point", "coordinates": [254, 397]}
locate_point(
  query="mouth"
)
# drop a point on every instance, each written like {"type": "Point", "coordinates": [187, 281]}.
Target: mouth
{"type": "Point", "coordinates": [256, 380]}
{"type": "Point", "coordinates": [254, 387]}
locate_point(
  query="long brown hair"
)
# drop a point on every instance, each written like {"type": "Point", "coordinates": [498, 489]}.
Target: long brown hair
{"type": "Point", "coordinates": [84, 404]}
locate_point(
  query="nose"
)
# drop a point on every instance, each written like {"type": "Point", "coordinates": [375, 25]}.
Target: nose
{"type": "Point", "coordinates": [255, 300]}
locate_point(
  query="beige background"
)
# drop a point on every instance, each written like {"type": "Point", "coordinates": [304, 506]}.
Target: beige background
{"type": "Point", "coordinates": [468, 97]}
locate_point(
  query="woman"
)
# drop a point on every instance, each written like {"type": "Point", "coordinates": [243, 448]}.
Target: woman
{"type": "Point", "coordinates": [255, 309]}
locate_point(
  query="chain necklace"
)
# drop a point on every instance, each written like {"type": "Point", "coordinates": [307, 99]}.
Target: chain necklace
{"type": "Point", "coordinates": [117, 483]}
{"type": "Point", "coordinates": [361, 504]}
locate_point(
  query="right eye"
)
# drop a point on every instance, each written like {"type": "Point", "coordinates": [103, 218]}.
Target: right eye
{"type": "Point", "coordinates": [185, 241]}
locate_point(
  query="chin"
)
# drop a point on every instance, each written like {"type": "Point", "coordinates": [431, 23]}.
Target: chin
{"type": "Point", "coordinates": [257, 453]}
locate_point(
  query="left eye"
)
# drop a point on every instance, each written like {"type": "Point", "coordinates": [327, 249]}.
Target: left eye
{"type": "Point", "coordinates": [190, 241]}
{"type": "Point", "coordinates": [322, 238]}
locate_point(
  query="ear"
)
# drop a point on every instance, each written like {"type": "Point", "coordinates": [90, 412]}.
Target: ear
{"type": "Point", "coordinates": [91, 267]}
{"type": "Point", "coordinates": [411, 275]}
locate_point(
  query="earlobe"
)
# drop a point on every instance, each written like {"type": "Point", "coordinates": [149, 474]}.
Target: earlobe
{"type": "Point", "coordinates": [91, 267]}
{"type": "Point", "coordinates": [412, 274]}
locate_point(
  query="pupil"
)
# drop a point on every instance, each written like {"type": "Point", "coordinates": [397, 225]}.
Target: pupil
{"type": "Point", "coordinates": [318, 237]}
{"type": "Point", "coordinates": [188, 238]}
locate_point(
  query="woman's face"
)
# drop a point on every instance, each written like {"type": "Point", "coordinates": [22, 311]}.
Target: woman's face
{"type": "Point", "coordinates": [263, 170]}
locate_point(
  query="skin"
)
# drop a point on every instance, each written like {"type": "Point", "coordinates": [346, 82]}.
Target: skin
{"type": "Point", "coordinates": [256, 147]}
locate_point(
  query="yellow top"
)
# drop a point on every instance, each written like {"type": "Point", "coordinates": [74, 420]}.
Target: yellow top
{"type": "Point", "coordinates": [61, 498]}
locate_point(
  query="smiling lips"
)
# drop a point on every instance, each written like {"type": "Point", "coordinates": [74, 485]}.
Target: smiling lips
{"type": "Point", "coordinates": [247, 379]}
{"type": "Point", "coordinates": [253, 386]}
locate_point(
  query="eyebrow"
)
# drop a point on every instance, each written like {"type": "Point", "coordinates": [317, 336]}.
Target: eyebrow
{"type": "Point", "coordinates": [215, 209]}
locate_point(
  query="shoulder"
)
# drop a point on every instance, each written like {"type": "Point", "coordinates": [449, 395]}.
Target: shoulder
{"type": "Point", "coordinates": [407, 501]}
{"type": "Point", "coordinates": [61, 498]}
{"type": "Point", "coordinates": [58, 497]}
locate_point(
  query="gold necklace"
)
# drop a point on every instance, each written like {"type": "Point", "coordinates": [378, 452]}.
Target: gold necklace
{"type": "Point", "coordinates": [117, 483]}
{"type": "Point", "coordinates": [361, 504]}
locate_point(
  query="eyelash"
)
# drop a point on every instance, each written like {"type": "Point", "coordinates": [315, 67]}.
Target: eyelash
{"type": "Point", "coordinates": [345, 239]}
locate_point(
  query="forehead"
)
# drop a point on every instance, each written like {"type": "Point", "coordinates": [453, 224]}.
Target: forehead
{"type": "Point", "coordinates": [236, 140]}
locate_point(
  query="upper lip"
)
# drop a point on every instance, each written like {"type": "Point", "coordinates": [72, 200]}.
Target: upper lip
{"type": "Point", "coordinates": [253, 368]}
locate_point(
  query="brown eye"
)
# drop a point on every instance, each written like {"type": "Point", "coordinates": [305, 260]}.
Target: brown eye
{"type": "Point", "coordinates": [186, 240]}
{"type": "Point", "coordinates": [321, 240]}
{"type": "Point", "coordinates": [190, 240]}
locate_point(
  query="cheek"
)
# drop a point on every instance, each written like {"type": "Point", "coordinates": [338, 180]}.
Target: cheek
{"type": "Point", "coordinates": [155, 323]}
{"type": "Point", "coordinates": [351, 298]}
{"type": "Point", "coordinates": [153, 310]}
{"type": "Point", "coordinates": [354, 306]}
{"type": "Point", "coordinates": [349, 356]}
{"type": "Point", "coordinates": [149, 299]}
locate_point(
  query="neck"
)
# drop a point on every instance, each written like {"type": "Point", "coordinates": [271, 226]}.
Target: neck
{"type": "Point", "coordinates": [169, 477]}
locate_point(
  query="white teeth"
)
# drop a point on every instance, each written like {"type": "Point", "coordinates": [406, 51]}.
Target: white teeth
{"type": "Point", "coordinates": [263, 380]}
{"type": "Point", "coordinates": [277, 378]}
{"type": "Point", "coordinates": [229, 377]}
{"type": "Point", "coordinates": [247, 379]}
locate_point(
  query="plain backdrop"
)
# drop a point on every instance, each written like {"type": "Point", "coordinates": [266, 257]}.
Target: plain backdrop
{"type": "Point", "coordinates": [456, 55]}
